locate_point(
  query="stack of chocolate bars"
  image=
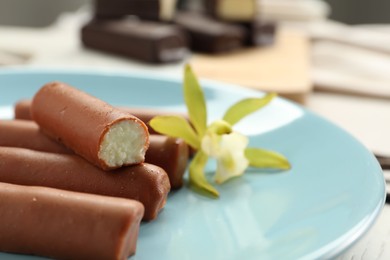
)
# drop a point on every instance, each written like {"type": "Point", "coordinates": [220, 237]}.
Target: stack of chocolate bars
{"type": "Point", "coordinates": [161, 31]}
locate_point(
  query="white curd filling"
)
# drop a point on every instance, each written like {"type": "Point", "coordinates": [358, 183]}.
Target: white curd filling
{"type": "Point", "coordinates": [123, 143]}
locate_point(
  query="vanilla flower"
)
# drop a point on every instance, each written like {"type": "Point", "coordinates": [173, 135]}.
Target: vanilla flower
{"type": "Point", "coordinates": [217, 140]}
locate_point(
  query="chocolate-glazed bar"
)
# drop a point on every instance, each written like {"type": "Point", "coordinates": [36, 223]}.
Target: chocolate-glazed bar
{"type": "Point", "coordinates": [150, 42]}
{"type": "Point", "coordinates": [147, 9]}
{"type": "Point", "coordinates": [209, 35]}
{"type": "Point", "coordinates": [67, 225]}
{"type": "Point", "coordinates": [171, 154]}
{"type": "Point", "coordinates": [260, 33]}
{"type": "Point", "coordinates": [105, 136]}
{"type": "Point", "coordinates": [232, 10]}
{"type": "Point", "coordinates": [22, 111]}
{"type": "Point", "coordinates": [146, 183]}
{"type": "Point", "coordinates": [144, 9]}
{"type": "Point", "coordinates": [26, 134]}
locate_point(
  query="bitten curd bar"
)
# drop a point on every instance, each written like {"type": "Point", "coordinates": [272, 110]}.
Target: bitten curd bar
{"type": "Point", "coordinates": [105, 136]}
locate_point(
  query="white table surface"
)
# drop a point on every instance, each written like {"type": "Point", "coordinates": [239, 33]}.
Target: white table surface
{"type": "Point", "coordinates": [367, 119]}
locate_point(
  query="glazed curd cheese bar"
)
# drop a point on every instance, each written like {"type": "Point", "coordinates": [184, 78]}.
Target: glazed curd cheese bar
{"type": "Point", "coordinates": [144, 9]}
{"type": "Point", "coordinates": [171, 154]}
{"type": "Point", "coordinates": [260, 33]}
{"type": "Point", "coordinates": [210, 35]}
{"type": "Point", "coordinates": [143, 40]}
{"type": "Point", "coordinates": [146, 183]}
{"type": "Point", "coordinates": [105, 136]}
{"type": "Point", "coordinates": [26, 134]}
{"type": "Point", "coordinates": [67, 225]}
{"type": "Point", "coordinates": [22, 110]}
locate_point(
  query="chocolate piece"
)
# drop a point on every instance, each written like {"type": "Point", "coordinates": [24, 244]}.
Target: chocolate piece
{"type": "Point", "coordinates": [232, 10]}
{"type": "Point", "coordinates": [260, 33]}
{"type": "Point", "coordinates": [26, 134]}
{"type": "Point", "coordinates": [67, 225]}
{"type": "Point", "coordinates": [146, 183]}
{"type": "Point", "coordinates": [384, 161]}
{"type": "Point", "coordinates": [145, 9]}
{"type": "Point", "coordinates": [171, 154]}
{"type": "Point", "coordinates": [22, 111]}
{"type": "Point", "coordinates": [146, 41]}
{"type": "Point", "coordinates": [102, 134]}
{"type": "Point", "coordinates": [209, 35]}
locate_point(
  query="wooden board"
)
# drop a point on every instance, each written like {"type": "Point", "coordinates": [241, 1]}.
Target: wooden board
{"type": "Point", "coordinates": [282, 68]}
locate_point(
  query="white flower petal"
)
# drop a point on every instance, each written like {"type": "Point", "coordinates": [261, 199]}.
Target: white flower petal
{"type": "Point", "coordinates": [211, 144]}
{"type": "Point", "coordinates": [231, 160]}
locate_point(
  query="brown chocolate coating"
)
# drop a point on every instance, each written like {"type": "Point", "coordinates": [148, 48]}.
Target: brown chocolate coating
{"type": "Point", "coordinates": [23, 107]}
{"type": "Point", "coordinates": [67, 225]}
{"type": "Point", "coordinates": [146, 9]}
{"type": "Point", "coordinates": [210, 35]}
{"type": "Point", "coordinates": [26, 134]}
{"type": "Point", "coordinates": [147, 41]}
{"type": "Point", "coordinates": [171, 154]}
{"type": "Point", "coordinates": [79, 121]}
{"type": "Point", "coordinates": [260, 33]}
{"type": "Point", "coordinates": [146, 183]}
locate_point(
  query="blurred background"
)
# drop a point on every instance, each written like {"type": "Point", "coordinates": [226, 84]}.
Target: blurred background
{"type": "Point", "coordinates": [29, 13]}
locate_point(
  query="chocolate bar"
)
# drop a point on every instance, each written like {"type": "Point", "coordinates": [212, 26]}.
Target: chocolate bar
{"type": "Point", "coordinates": [26, 134]}
{"type": "Point", "coordinates": [232, 10]}
{"type": "Point", "coordinates": [146, 183]}
{"type": "Point", "coordinates": [210, 35]}
{"type": "Point", "coordinates": [105, 136]}
{"type": "Point", "coordinates": [67, 225]}
{"type": "Point", "coordinates": [171, 154]}
{"type": "Point", "coordinates": [260, 33]}
{"type": "Point", "coordinates": [22, 111]}
{"type": "Point", "coordinates": [144, 9]}
{"type": "Point", "coordinates": [384, 161]}
{"type": "Point", "coordinates": [146, 41]}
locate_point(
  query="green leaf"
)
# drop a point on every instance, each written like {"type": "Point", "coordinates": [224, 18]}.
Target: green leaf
{"type": "Point", "coordinates": [175, 126]}
{"type": "Point", "coordinates": [245, 107]}
{"type": "Point", "coordinates": [196, 104]}
{"type": "Point", "coordinates": [197, 176]}
{"type": "Point", "coordinates": [261, 158]}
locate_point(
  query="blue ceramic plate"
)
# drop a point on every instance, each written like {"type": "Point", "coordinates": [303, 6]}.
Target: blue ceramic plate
{"type": "Point", "coordinates": [330, 197]}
